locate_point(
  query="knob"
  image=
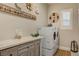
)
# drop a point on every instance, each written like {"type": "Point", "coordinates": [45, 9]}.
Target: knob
{"type": "Point", "coordinates": [27, 46]}
{"type": "Point", "coordinates": [10, 54]}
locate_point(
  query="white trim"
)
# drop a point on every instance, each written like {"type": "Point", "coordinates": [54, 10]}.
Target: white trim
{"type": "Point", "coordinates": [64, 48]}
{"type": "Point", "coordinates": [71, 19]}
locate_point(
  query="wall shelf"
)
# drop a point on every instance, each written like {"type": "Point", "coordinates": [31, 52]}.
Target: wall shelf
{"type": "Point", "coordinates": [13, 11]}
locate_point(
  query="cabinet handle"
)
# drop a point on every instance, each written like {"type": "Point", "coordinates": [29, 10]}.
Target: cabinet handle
{"type": "Point", "coordinates": [10, 54]}
{"type": "Point", "coordinates": [28, 47]}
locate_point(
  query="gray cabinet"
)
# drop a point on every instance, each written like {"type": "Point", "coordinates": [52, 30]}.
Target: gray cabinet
{"type": "Point", "coordinates": [9, 52]}
{"type": "Point", "coordinates": [32, 49]}
{"type": "Point", "coordinates": [37, 48]}
{"type": "Point", "coordinates": [23, 52]}
{"type": "Point", "coordinates": [26, 49]}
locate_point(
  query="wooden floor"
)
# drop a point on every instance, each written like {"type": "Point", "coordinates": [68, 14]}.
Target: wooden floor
{"type": "Point", "coordinates": [62, 53]}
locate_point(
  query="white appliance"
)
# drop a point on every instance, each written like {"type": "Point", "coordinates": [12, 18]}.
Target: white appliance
{"type": "Point", "coordinates": [50, 41]}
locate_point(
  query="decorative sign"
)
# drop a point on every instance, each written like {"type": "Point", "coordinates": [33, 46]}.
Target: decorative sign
{"type": "Point", "coordinates": [54, 17]}
{"type": "Point", "coordinates": [13, 11]}
{"type": "Point", "coordinates": [29, 6]}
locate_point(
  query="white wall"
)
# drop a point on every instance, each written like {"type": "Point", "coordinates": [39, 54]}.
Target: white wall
{"type": "Point", "coordinates": [66, 36]}
{"type": "Point", "coordinates": [9, 23]}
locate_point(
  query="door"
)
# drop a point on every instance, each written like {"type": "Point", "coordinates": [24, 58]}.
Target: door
{"type": "Point", "coordinates": [24, 52]}
{"type": "Point", "coordinates": [37, 48]}
{"type": "Point", "coordinates": [32, 50]}
{"type": "Point", "coordinates": [9, 52]}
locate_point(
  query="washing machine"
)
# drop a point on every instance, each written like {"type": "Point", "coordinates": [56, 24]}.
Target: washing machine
{"type": "Point", "coordinates": [50, 41]}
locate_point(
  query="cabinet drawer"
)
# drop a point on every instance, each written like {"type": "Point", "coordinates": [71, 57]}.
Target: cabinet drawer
{"type": "Point", "coordinates": [23, 46]}
{"type": "Point", "coordinates": [9, 52]}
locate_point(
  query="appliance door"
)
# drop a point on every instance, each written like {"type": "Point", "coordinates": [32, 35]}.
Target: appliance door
{"type": "Point", "coordinates": [48, 52]}
{"type": "Point", "coordinates": [47, 43]}
{"type": "Point", "coordinates": [57, 39]}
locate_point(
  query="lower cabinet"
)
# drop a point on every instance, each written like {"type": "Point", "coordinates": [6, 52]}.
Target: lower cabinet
{"type": "Point", "coordinates": [37, 48]}
{"type": "Point", "coordinates": [27, 49]}
{"type": "Point", "coordinates": [32, 50]}
{"type": "Point", "coordinates": [9, 52]}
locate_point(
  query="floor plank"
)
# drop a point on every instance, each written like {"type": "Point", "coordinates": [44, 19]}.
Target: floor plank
{"type": "Point", "coordinates": [62, 53]}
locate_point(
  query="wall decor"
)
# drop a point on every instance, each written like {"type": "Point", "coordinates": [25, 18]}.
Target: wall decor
{"type": "Point", "coordinates": [10, 10]}
{"type": "Point", "coordinates": [54, 17]}
{"type": "Point", "coordinates": [37, 12]}
{"type": "Point", "coordinates": [17, 7]}
{"type": "Point", "coordinates": [29, 6]}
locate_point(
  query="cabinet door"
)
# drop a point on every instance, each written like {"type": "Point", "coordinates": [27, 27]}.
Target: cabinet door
{"type": "Point", "coordinates": [0, 53]}
{"type": "Point", "coordinates": [32, 50]}
{"type": "Point", "coordinates": [9, 52]}
{"type": "Point", "coordinates": [24, 52]}
{"type": "Point", "coordinates": [37, 48]}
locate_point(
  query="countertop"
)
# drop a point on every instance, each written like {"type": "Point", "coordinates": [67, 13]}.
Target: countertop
{"type": "Point", "coordinates": [13, 42]}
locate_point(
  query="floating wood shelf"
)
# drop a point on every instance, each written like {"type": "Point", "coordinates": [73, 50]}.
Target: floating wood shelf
{"type": "Point", "coordinates": [13, 11]}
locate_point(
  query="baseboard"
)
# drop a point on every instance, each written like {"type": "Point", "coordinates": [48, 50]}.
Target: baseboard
{"type": "Point", "coordinates": [64, 48]}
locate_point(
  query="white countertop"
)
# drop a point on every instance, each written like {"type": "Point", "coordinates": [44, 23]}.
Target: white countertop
{"type": "Point", "coordinates": [13, 42]}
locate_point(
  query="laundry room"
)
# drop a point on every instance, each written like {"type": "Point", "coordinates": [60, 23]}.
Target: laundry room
{"type": "Point", "coordinates": [39, 29]}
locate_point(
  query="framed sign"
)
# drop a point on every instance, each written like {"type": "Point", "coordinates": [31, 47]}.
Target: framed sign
{"type": "Point", "coordinates": [16, 11]}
